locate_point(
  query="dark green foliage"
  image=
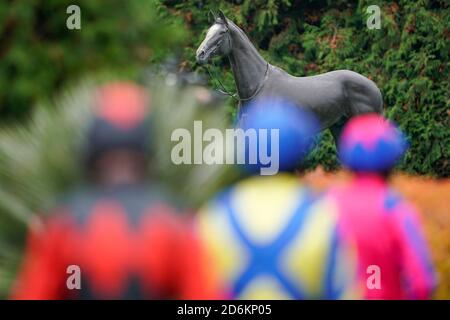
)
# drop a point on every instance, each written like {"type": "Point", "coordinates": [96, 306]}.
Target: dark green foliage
{"type": "Point", "coordinates": [407, 58]}
{"type": "Point", "coordinates": [39, 54]}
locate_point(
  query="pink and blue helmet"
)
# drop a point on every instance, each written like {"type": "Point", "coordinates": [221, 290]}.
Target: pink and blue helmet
{"type": "Point", "coordinates": [370, 143]}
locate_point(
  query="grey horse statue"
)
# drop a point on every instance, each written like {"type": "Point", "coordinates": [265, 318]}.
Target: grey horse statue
{"type": "Point", "coordinates": [333, 97]}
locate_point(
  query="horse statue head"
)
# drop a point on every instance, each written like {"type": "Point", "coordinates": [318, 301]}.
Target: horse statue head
{"type": "Point", "coordinates": [217, 40]}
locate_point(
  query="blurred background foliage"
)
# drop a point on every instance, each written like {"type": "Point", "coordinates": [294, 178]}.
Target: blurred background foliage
{"type": "Point", "coordinates": [43, 107]}
{"type": "Point", "coordinates": [39, 54]}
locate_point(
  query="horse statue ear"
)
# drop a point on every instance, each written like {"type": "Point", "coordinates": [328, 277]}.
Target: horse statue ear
{"type": "Point", "coordinates": [222, 17]}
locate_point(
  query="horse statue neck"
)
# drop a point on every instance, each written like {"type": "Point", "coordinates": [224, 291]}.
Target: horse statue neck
{"type": "Point", "coordinates": [249, 67]}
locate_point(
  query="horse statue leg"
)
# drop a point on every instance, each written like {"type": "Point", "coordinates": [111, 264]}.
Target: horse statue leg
{"type": "Point", "coordinates": [336, 129]}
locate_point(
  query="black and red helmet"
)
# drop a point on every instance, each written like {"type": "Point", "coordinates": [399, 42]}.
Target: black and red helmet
{"type": "Point", "coordinates": [120, 121]}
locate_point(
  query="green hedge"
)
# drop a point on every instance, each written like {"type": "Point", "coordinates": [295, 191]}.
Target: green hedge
{"type": "Point", "coordinates": [407, 57]}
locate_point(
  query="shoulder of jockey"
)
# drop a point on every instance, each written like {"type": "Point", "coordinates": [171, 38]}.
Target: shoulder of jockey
{"type": "Point", "coordinates": [162, 253]}
{"type": "Point", "coordinates": [264, 222]}
{"type": "Point", "coordinates": [418, 273]}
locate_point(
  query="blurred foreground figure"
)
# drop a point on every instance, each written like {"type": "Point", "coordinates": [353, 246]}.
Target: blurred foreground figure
{"type": "Point", "coordinates": [119, 237]}
{"type": "Point", "coordinates": [270, 237]}
{"type": "Point", "coordinates": [394, 261]}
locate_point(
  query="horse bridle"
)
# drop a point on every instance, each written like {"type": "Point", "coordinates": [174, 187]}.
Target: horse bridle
{"type": "Point", "coordinates": [222, 88]}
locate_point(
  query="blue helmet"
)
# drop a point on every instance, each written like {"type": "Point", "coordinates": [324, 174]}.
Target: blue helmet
{"type": "Point", "coordinates": [296, 128]}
